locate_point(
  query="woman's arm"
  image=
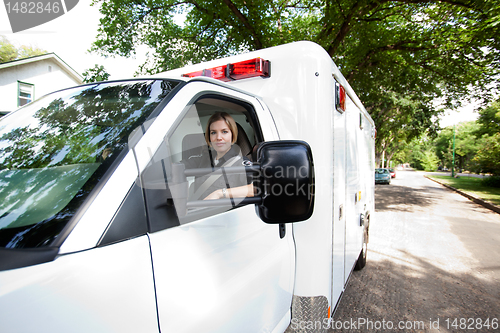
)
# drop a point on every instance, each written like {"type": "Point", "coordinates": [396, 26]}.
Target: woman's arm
{"type": "Point", "coordinates": [234, 192]}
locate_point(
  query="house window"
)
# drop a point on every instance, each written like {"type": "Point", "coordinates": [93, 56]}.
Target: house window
{"type": "Point", "coordinates": [26, 93]}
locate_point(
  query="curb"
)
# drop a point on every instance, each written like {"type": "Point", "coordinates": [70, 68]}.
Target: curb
{"type": "Point", "coordinates": [473, 198]}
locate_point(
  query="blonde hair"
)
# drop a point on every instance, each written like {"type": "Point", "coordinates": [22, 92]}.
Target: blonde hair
{"type": "Point", "coordinates": [229, 121]}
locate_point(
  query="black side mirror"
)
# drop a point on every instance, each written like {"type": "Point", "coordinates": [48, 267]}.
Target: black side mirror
{"type": "Point", "coordinates": [286, 181]}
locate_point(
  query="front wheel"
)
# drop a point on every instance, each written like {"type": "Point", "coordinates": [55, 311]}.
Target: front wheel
{"type": "Point", "coordinates": [364, 249]}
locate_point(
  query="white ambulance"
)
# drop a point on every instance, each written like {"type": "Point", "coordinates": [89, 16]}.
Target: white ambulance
{"type": "Point", "coordinates": [100, 230]}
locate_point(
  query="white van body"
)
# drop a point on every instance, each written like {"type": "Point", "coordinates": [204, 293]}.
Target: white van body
{"type": "Point", "coordinates": [226, 272]}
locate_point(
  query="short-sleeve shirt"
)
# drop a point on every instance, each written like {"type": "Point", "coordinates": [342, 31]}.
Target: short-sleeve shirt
{"type": "Point", "coordinates": [233, 158]}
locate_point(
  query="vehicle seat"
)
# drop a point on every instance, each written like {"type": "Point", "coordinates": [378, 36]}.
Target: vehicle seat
{"type": "Point", "coordinates": [243, 142]}
{"type": "Point", "coordinates": [254, 152]}
{"type": "Point", "coordinates": [193, 145]}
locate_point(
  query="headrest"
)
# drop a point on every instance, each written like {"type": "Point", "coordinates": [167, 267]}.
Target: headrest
{"type": "Point", "coordinates": [243, 142]}
{"type": "Point", "coordinates": [193, 145]}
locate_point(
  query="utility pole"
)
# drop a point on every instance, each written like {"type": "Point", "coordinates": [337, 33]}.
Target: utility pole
{"type": "Point", "coordinates": [453, 161]}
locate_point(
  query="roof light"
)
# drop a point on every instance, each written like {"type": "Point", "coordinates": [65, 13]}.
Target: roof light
{"type": "Point", "coordinates": [249, 68]}
{"type": "Point", "coordinates": [218, 73]}
{"type": "Point", "coordinates": [340, 98]}
{"type": "Point", "coordinates": [236, 71]}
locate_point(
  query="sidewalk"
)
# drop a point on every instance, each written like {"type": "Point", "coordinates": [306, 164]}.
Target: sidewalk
{"type": "Point", "coordinates": [471, 197]}
{"type": "Point", "coordinates": [448, 173]}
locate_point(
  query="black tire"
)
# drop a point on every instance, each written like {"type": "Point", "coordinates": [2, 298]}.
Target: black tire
{"type": "Point", "coordinates": [361, 262]}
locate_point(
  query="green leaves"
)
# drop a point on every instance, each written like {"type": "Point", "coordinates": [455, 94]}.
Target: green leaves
{"type": "Point", "coordinates": [9, 52]}
{"type": "Point", "coordinates": [488, 157]}
{"type": "Point", "coordinates": [489, 119]}
{"type": "Point", "coordinates": [398, 55]}
{"type": "Point", "coordinates": [95, 74]}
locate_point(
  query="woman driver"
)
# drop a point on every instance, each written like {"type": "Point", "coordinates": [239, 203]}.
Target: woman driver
{"type": "Point", "coordinates": [220, 136]}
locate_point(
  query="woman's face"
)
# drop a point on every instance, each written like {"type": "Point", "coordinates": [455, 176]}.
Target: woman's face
{"type": "Point", "coordinates": [220, 137]}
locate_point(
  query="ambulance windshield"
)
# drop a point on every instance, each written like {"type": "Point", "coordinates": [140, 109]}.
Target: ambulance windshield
{"type": "Point", "coordinates": [54, 151]}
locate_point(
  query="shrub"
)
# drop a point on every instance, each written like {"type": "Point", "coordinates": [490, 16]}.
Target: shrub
{"type": "Point", "coordinates": [493, 181]}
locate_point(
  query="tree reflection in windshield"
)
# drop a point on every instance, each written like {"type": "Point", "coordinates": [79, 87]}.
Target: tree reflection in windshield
{"type": "Point", "coordinates": [54, 152]}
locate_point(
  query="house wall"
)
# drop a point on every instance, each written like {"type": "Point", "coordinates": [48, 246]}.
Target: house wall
{"type": "Point", "coordinates": [46, 75]}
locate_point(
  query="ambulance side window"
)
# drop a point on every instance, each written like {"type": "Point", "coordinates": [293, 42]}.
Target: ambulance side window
{"type": "Point", "coordinates": [169, 200]}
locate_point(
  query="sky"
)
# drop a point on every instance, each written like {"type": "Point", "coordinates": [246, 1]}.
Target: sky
{"type": "Point", "coordinates": [70, 36]}
{"type": "Point", "coordinates": [466, 113]}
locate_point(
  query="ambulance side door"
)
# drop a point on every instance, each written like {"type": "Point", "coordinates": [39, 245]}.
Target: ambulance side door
{"type": "Point", "coordinates": [215, 270]}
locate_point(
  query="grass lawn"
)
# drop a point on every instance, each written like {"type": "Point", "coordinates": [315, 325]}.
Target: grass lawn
{"type": "Point", "coordinates": [473, 186]}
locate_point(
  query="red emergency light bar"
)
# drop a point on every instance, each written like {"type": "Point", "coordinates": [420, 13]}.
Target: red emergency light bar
{"type": "Point", "coordinates": [236, 71]}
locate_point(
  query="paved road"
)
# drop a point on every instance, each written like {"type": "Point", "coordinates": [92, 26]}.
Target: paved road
{"type": "Point", "coordinates": [433, 264]}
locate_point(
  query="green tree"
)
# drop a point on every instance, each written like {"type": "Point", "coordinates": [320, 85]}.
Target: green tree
{"type": "Point", "coordinates": [422, 154]}
{"type": "Point", "coordinates": [95, 74]}
{"type": "Point", "coordinates": [444, 147]}
{"type": "Point", "coordinates": [399, 55]}
{"type": "Point", "coordinates": [429, 160]}
{"type": "Point", "coordinates": [400, 120]}
{"type": "Point", "coordinates": [488, 156]}
{"type": "Point", "coordinates": [489, 119]}
{"type": "Point", "coordinates": [29, 51]}
{"type": "Point", "coordinates": [466, 145]}
{"type": "Point", "coordinates": [402, 154]}
{"type": "Point", "coordinates": [8, 52]}
{"type": "Point", "coordinates": [488, 134]}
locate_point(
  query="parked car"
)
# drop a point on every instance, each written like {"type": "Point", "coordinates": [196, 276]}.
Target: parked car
{"type": "Point", "coordinates": [392, 171]}
{"type": "Point", "coordinates": [382, 176]}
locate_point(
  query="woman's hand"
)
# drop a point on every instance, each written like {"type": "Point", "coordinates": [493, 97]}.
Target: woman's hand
{"type": "Point", "coordinates": [234, 192]}
{"type": "Point", "coordinates": [214, 195]}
